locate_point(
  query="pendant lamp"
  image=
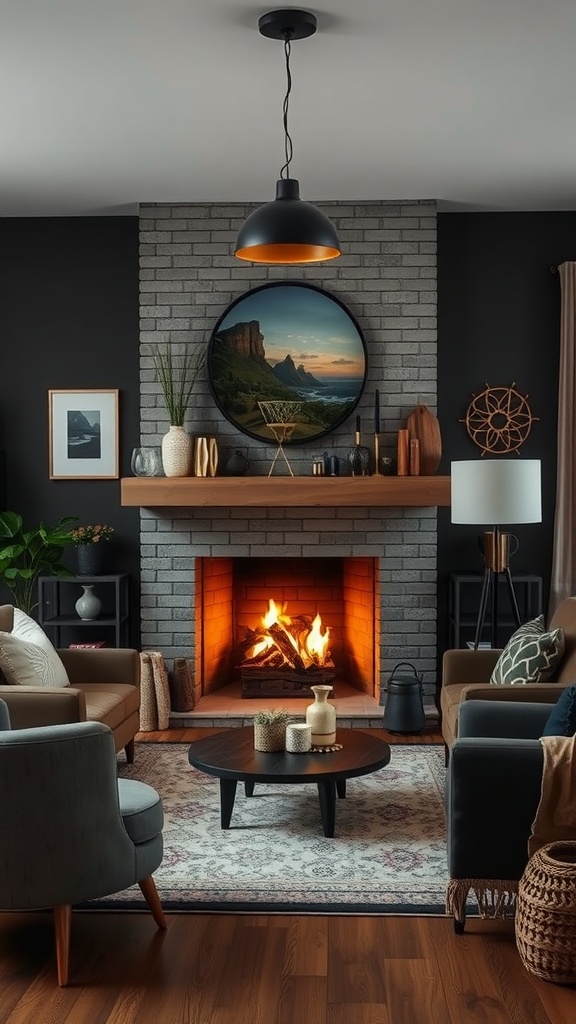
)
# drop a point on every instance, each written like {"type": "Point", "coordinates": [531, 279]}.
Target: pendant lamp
{"type": "Point", "coordinates": [287, 230]}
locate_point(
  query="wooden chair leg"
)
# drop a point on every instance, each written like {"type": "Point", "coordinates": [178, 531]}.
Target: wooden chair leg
{"type": "Point", "coordinates": [150, 893]}
{"type": "Point", "coordinates": [129, 748]}
{"type": "Point", "coordinates": [62, 928]}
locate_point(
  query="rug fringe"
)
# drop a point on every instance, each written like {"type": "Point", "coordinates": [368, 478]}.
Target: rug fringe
{"type": "Point", "coordinates": [496, 897]}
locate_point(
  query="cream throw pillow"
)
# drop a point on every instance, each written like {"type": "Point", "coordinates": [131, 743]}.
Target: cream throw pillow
{"type": "Point", "coordinates": [27, 658]}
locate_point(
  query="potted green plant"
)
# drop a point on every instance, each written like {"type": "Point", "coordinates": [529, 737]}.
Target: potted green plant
{"type": "Point", "coordinates": [177, 376]}
{"type": "Point", "coordinates": [27, 554]}
{"type": "Point", "coordinates": [89, 542]}
{"type": "Point", "coordinates": [270, 729]}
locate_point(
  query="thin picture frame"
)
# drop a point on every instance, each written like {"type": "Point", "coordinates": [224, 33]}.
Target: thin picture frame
{"type": "Point", "coordinates": [83, 433]}
{"type": "Point", "coordinates": [286, 360]}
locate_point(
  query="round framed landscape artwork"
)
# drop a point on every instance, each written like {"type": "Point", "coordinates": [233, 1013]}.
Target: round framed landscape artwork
{"type": "Point", "coordinates": [286, 362]}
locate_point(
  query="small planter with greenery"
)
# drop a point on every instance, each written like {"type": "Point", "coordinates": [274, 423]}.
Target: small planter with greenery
{"type": "Point", "coordinates": [27, 554]}
{"type": "Point", "coordinates": [90, 543]}
{"type": "Point", "coordinates": [270, 729]}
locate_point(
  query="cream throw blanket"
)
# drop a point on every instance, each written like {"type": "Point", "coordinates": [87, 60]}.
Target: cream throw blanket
{"type": "Point", "coordinates": [555, 821]}
{"type": "Point", "coordinates": [556, 813]}
{"type": "Point", "coordinates": [154, 692]}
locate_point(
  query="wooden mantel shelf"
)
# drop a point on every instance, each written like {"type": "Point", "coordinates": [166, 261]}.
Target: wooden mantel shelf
{"type": "Point", "coordinates": [298, 491]}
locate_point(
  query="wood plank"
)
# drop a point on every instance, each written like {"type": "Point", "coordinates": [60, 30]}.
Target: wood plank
{"type": "Point", "coordinates": [270, 492]}
{"type": "Point", "coordinates": [417, 981]}
{"type": "Point", "coordinates": [238, 969]}
{"type": "Point", "coordinates": [302, 1001]}
{"type": "Point", "coordinates": [472, 986]}
{"type": "Point", "coordinates": [356, 965]}
{"type": "Point", "coordinates": [364, 1013]}
{"type": "Point", "coordinates": [307, 946]}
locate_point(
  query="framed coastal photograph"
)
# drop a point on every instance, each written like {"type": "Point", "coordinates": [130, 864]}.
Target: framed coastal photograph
{"type": "Point", "coordinates": [286, 362]}
{"type": "Point", "coordinates": [83, 434]}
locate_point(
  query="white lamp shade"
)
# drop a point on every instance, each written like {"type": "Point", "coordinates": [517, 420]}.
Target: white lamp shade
{"type": "Point", "coordinates": [496, 491]}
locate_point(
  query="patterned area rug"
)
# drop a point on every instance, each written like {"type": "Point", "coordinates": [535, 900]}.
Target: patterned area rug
{"type": "Point", "coordinates": [388, 855]}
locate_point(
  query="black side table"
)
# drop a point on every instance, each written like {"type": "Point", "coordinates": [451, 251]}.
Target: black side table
{"type": "Point", "coordinates": [56, 610]}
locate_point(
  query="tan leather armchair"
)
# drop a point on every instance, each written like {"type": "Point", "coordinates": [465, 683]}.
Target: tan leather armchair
{"type": "Point", "coordinates": [466, 675]}
{"type": "Point", "coordinates": [104, 687]}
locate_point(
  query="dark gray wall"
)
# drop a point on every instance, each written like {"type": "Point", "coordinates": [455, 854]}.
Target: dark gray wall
{"type": "Point", "coordinates": [69, 319]}
{"type": "Point", "coordinates": [498, 322]}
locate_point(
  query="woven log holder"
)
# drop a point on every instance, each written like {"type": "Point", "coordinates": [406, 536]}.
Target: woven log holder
{"type": "Point", "coordinates": [546, 914]}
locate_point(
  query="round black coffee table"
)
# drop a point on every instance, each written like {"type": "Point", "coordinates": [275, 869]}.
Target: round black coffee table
{"type": "Point", "coordinates": [230, 756]}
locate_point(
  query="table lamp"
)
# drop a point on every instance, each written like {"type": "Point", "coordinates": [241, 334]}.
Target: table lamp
{"type": "Point", "coordinates": [496, 492]}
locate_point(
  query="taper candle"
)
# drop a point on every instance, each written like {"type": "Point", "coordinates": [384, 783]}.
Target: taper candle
{"type": "Point", "coordinates": [376, 412]}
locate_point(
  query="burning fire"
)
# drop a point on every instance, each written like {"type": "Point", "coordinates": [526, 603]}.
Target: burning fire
{"type": "Point", "coordinates": [300, 642]}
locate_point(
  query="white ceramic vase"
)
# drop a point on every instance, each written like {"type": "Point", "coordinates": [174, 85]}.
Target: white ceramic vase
{"type": "Point", "coordinates": [321, 716]}
{"type": "Point", "coordinates": [88, 606]}
{"type": "Point", "coordinates": [177, 452]}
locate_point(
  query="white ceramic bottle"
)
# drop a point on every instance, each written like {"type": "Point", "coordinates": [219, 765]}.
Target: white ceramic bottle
{"type": "Point", "coordinates": [321, 716]}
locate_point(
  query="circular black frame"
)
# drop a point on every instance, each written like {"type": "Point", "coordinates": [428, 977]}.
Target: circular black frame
{"type": "Point", "coordinates": [239, 375]}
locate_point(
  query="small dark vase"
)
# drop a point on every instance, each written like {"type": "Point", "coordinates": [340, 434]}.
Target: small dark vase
{"type": "Point", "coordinates": [90, 558]}
{"type": "Point", "coordinates": [236, 464]}
{"type": "Point", "coordinates": [359, 460]}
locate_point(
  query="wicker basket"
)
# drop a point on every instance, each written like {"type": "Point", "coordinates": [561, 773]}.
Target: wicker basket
{"type": "Point", "coordinates": [546, 913]}
{"type": "Point", "coordinates": [270, 736]}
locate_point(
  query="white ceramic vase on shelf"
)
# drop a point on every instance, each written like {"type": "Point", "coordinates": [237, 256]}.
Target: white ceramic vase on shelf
{"type": "Point", "coordinates": [321, 716]}
{"type": "Point", "coordinates": [88, 606]}
{"type": "Point", "coordinates": [177, 452]}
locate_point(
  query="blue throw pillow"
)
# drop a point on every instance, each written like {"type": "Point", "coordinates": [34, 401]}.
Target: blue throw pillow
{"type": "Point", "coordinates": [562, 718]}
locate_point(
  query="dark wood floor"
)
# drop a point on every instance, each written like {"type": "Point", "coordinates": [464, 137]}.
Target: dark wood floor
{"type": "Point", "coordinates": [281, 969]}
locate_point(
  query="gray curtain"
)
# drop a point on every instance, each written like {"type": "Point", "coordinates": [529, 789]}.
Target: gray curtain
{"type": "Point", "coordinates": [563, 582]}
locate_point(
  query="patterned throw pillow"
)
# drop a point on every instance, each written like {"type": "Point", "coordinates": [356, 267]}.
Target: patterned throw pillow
{"type": "Point", "coordinates": [27, 657]}
{"type": "Point", "coordinates": [531, 655]}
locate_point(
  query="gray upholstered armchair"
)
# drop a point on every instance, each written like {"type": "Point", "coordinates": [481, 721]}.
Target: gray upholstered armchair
{"type": "Point", "coordinates": [492, 793]}
{"type": "Point", "coordinates": [70, 830]}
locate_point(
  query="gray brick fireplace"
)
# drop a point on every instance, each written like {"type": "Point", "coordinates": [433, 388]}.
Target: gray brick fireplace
{"type": "Point", "coordinates": [387, 279]}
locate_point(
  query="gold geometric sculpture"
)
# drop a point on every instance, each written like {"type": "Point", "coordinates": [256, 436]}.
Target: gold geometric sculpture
{"type": "Point", "coordinates": [499, 419]}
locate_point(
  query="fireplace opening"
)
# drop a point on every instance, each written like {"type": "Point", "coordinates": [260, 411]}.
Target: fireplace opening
{"type": "Point", "coordinates": [276, 626]}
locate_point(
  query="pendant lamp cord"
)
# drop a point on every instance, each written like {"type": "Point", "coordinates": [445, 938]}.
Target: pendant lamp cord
{"type": "Point", "coordinates": [288, 147]}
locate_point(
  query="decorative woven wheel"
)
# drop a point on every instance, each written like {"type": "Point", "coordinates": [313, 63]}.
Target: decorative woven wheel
{"type": "Point", "coordinates": [499, 419]}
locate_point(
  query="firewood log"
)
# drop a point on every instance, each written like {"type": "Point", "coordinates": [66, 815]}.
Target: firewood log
{"type": "Point", "coordinates": [282, 641]}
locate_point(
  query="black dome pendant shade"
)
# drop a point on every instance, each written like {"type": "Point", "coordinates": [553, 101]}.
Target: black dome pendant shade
{"type": "Point", "coordinates": [287, 230]}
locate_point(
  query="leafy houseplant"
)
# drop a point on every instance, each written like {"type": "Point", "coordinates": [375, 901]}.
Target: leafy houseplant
{"type": "Point", "coordinates": [27, 554]}
{"type": "Point", "coordinates": [270, 729]}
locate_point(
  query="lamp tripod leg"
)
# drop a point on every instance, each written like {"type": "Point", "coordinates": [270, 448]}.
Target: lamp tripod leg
{"type": "Point", "coordinates": [513, 600]}
{"type": "Point", "coordinates": [483, 604]}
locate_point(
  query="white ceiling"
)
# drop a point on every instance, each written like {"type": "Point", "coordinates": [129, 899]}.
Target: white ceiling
{"type": "Point", "coordinates": [108, 103]}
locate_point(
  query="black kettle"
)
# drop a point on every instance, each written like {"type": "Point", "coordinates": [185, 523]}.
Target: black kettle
{"type": "Point", "coordinates": [404, 711]}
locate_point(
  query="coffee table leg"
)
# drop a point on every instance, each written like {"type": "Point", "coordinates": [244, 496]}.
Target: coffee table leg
{"type": "Point", "coordinates": [227, 795]}
{"type": "Point", "coordinates": [341, 788]}
{"type": "Point", "coordinates": [249, 788]}
{"type": "Point", "coordinates": [327, 797]}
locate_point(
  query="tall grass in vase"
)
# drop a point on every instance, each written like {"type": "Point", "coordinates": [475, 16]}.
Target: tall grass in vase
{"type": "Point", "coordinates": [177, 376]}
